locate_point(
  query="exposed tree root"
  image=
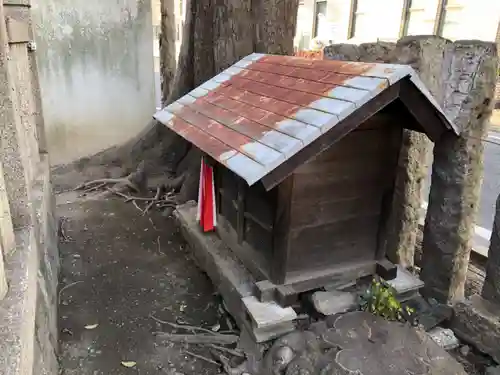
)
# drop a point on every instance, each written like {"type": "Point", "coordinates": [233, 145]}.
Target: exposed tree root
{"type": "Point", "coordinates": [98, 184]}
{"type": "Point", "coordinates": [156, 199]}
{"type": "Point", "coordinates": [197, 338]}
{"type": "Point", "coordinates": [135, 181]}
{"type": "Point", "coordinates": [201, 357]}
{"type": "Point", "coordinates": [135, 187]}
{"type": "Point", "coordinates": [241, 369]}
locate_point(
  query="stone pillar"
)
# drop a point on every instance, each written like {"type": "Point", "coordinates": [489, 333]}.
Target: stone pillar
{"type": "Point", "coordinates": [469, 74]}
{"type": "Point", "coordinates": [491, 287]}
{"type": "Point", "coordinates": [424, 54]}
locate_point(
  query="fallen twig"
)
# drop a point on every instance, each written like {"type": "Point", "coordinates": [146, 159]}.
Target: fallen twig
{"type": "Point", "coordinates": [136, 206]}
{"type": "Point", "coordinates": [159, 245]}
{"type": "Point", "coordinates": [155, 200]}
{"type": "Point", "coordinates": [106, 181]}
{"type": "Point", "coordinates": [64, 288]}
{"type": "Point", "coordinates": [97, 187]}
{"type": "Point", "coordinates": [224, 361]}
{"type": "Point", "coordinates": [154, 227]}
{"type": "Point", "coordinates": [234, 352]}
{"type": "Point", "coordinates": [186, 327]}
{"type": "Point", "coordinates": [201, 357]}
{"type": "Point", "coordinates": [129, 198]}
{"type": "Point", "coordinates": [119, 193]}
{"type": "Point", "coordinates": [198, 338]}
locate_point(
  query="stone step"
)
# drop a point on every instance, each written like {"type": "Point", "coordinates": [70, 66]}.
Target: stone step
{"type": "Point", "coordinates": [267, 314]}
{"type": "Point", "coordinates": [406, 284]}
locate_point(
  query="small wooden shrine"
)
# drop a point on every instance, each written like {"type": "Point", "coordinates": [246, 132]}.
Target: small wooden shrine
{"type": "Point", "coordinates": [306, 154]}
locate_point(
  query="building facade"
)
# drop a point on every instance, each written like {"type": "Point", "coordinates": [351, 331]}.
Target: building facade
{"type": "Point", "coordinates": [358, 21]}
{"type": "Point", "coordinates": [361, 21]}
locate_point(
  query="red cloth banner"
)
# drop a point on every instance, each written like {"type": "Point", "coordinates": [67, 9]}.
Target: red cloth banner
{"type": "Point", "coordinates": [206, 214]}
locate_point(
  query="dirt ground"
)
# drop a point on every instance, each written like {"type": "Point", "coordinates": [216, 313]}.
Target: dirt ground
{"type": "Point", "coordinates": [120, 268]}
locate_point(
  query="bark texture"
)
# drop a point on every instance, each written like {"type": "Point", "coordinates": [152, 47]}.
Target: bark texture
{"type": "Point", "coordinates": [424, 54]}
{"type": "Point", "coordinates": [491, 287]}
{"type": "Point", "coordinates": [216, 35]}
{"type": "Point", "coordinates": [275, 22]}
{"type": "Point", "coordinates": [167, 48]}
{"type": "Point", "coordinates": [469, 74]}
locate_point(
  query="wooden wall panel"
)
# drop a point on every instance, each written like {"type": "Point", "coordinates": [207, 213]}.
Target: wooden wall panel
{"type": "Point", "coordinates": [228, 210]}
{"type": "Point", "coordinates": [246, 216]}
{"type": "Point", "coordinates": [327, 212]}
{"type": "Point", "coordinates": [259, 239]}
{"type": "Point", "coordinates": [340, 190]}
{"type": "Point", "coordinates": [353, 146]}
{"type": "Point", "coordinates": [333, 244]}
{"type": "Point", "coordinates": [260, 206]}
{"type": "Point", "coordinates": [337, 202]}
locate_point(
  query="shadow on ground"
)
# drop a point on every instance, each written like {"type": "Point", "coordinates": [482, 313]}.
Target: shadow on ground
{"type": "Point", "coordinates": [119, 268]}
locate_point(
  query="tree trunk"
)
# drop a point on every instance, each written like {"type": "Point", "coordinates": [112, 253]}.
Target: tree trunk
{"type": "Point", "coordinates": [167, 48]}
{"type": "Point", "coordinates": [424, 54]}
{"type": "Point", "coordinates": [216, 35]}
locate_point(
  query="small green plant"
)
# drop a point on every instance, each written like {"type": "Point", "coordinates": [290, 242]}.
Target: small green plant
{"type": "Point", "coordinates": [380, 299]}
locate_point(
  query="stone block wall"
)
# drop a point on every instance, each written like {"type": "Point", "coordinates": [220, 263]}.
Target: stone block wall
{"type": "Point", "coordinates": [29, 259]}
{"type": "Point", "coordinates": [46, 331]}
{"type": "Point", "coordinates": [28, 313]}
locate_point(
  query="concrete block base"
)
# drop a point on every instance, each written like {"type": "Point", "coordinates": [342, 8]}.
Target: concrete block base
{"type": "Point", "coordinates": [475, 321]}
{"type": "Point", "coordinates": [405, 284]}
{"type": "Point", "coordinates": [233, 281]}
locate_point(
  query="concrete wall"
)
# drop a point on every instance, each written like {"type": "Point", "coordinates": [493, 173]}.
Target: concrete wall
{"type": "Point", "coordinates": [96, 72]}
{"type": "Point", "coordinates": [28, 229]}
